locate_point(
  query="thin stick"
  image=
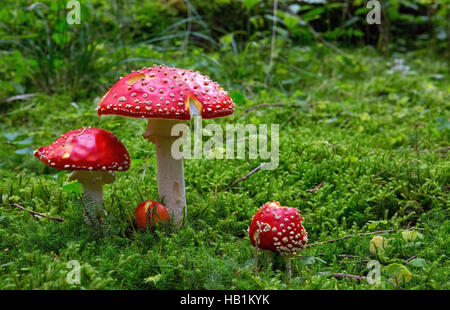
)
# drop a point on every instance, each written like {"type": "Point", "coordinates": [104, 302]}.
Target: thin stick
{"type": "Point", "coordinates": [410, 259]}
{"type": "Point", "coordinates": [58, 219]}
{"type": "Point", "coordinates": [349, 276]}
{"type": "Point", "coordinates": [292, 116]}
{"type": "Point", "coordinates": [360, 235]}
{"type": "Point", "coordinates": [348, 255]}
{"type": "Point", "coordinates": [256, 252]}
{"type": "Point", "coordinates": [312, 190]}
{"type": "Point", "coordinates": [20, 97]}
{"type": "Point", "coordinates": [245, 177]}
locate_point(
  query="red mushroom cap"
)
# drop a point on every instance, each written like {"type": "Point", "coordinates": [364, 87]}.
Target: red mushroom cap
{"type": "Point", "coordinates": [280, 229]}
{"type": "Point", "coordinates": [158, 214]}
{"type": "Point", "coordinates": [164, 92]}
{"type": "Point", "coordinates": [85, 149]}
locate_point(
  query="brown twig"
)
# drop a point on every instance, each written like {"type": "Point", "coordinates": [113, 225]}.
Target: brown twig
{"type": "Point", "coordinates": [58, 219]}
{"type": "Point", "coordinates": [245, 177]}
{"type": "Point", "coordinates": [292, 116]}
{"type": "Point", "coordinates": [348, 276]}
{"type": "Point", "coordinates": [360, 235]}
{"type": "Point", "coordinates": [256, 252]}
{"type": "Point", "coordinates": [312, 190]}
{"type": "Point", "coordinates": [410, 259]}
{"type": "Point", "coordinates": [376, 175]}
{"type": "Point", "coordinates": [360, 260]}
{"type": "Point", "coordinates": [341, 276]}
{"type": "Point", "coordinates": [344, 275]}
{"type": "Point", "coordinates": [348, 255]}
{"type": "Point", "coordinates": [258, 106]}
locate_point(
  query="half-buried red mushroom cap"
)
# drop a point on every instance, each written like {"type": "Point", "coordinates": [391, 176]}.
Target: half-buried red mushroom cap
{"type": "Point", "coordinates": [165, 92]}
{"type": "Point", "coordinates": [85, 149]}
{"type": "Point", "coordinates": [149, 213]}
{"type": "Point", "coordinates": [278, 229]}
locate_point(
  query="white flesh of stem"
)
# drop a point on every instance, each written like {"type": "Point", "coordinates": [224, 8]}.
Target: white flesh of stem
{"type": "Point", "coordinates": [92, 183]}
{"type": "Point", "coordinates": [171, 187]}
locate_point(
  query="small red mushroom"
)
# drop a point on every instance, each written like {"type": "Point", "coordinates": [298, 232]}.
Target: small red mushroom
{"type": "Point", "coordinates": [150, 212]}
{"type": "Point", "coordinates": [166, 97]}
{"type": "Point", "coordinates": [278, 229]}
{"type": "Point", "coordinates": [93, 154]}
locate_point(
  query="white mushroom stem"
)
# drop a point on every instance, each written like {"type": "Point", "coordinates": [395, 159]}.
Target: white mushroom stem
{"type": "Point", "coordinates": [171, 187]}
{"type": "Point", "coordinates": [92, 183]}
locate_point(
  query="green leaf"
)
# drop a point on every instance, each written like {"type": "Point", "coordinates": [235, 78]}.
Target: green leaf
{"type": "Point", "coordinates": [73, 187]}
{"type": "Point", "coordinates": [7, 264]}
{"type": "Point", "coordinates": [249, 4]}
{"type": "Point", "coordinates": [27, 150]}
{"type": "Point", "coordinates": [136, 162]}
{"type": "Point", "coordinates": [290, 21]}
{"type": "Point", "coordinates": [399, 272]}
{"type": "Point", "coordinates": [411, 235]}
{"type": "Point", "coordinates": [153, 279]}
{"type": "Point", "coordinates": [373, 225]}
{"type": "Point", "coordinates": [11, 136]}
{"type": "Point", "coordinates": [25, 141]}
{"type": "Point", "coordinates": [418, 262]}
{"type": "Point", "coordinates": [308, 260]}
{"type": "Point", "coordinates": [237, 97]}
{"type": "Point", "coordinates": [377, 245]}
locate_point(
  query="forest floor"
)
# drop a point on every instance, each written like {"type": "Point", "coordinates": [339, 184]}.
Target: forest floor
{"type": "Point", "coordinates": [363, 147]}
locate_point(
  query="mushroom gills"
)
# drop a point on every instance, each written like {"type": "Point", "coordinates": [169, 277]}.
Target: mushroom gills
{"type": "Point", "coordinates": [194, 107]}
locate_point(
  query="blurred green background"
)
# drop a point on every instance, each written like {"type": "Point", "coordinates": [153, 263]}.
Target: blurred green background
{"type": "Point", "coordinates": [41, 52]}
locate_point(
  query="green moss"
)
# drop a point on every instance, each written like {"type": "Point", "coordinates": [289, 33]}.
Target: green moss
{"type": "Point", "coordinates": [377, 142]}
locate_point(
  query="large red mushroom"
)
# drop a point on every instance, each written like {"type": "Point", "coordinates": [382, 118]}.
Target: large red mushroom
{"type": "Point", "coordinates": [166, 96]}
{"type": "Point", "coordinates": [93, 154]}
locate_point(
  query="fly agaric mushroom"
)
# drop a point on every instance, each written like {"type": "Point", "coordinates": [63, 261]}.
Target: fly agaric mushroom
{"type": "Point", "coordinates": [93, 154]}
{"type": "Point", "coordinates": [278, 229]}
{"type": "Point", "coordinates": [166, 96]}
{"type": "Point", "coordinates": [150, 212]}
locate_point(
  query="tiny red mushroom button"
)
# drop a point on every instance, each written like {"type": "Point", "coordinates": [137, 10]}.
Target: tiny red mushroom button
{"type": "Point", "coordinates": [149, 213]}
{"type": "Point", "coordinates": [278, 229]}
